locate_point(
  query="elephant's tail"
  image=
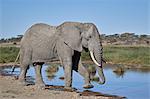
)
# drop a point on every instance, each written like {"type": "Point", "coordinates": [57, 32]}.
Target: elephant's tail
{"type": "Point", "coordinates": [15, 63]}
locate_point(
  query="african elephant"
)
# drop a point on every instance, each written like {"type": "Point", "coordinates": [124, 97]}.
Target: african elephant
{"type": "Point", "coordinates": [42, 43]}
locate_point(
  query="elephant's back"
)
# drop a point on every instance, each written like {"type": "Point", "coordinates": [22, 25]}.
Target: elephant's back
{"type": "Point", "coordinates": [38, 32]}
{"type": "Point", "coordinates": [40, 29]}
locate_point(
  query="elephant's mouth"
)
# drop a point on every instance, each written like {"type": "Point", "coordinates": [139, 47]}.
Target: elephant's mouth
{"type": "Point", "coordinates": [86, 49]}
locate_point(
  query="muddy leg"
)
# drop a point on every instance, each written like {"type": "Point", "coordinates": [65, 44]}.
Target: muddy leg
{"type": "Point", "coordinates": [68, 74]}
{"type": "Point", "coordinates": [22, 75]}
{"type": "Point", "coordinates": [39, 81]}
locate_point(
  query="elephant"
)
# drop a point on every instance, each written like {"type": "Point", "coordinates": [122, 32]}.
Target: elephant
{"type": "Point", "coordinates": [43, 43]}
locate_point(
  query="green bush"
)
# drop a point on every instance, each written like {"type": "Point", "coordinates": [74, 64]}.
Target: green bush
{"type": "Point", "coordinates": [8, 54]}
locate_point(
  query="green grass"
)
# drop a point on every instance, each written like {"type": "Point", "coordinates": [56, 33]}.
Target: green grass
{"type": "Point", "coordinates": [139, 55]}
{"type": "Point", "coordinates": [8, 54]}
{"type": "Point", "coordinates": [127, 55]}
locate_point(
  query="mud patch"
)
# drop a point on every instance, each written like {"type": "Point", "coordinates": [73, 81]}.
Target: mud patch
{"type": "Point", "coordinates": [62, 78]}
{"type": "Point", "coordinates": [84, 93]}
{"type": "Point", "coordinates": [91, 93]}
{"type": "Point", "coordinates": [11, 91]}
{"type": "Point", "coordinates": [59, 88]}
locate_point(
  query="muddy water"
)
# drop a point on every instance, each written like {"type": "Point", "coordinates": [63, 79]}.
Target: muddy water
{"type": "Point", "coordinates": [132, 84]}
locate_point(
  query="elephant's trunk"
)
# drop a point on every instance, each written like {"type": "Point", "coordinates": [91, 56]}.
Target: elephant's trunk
{"type": "Point", "coordinates": [101, 75]}
{"type": "Point", "coordinates": [96, 56]}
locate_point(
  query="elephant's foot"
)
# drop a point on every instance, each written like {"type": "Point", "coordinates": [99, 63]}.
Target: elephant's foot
{"type": "Point", "coordinates": [22, 83]}
{"type": "Point", "coordinates": [40, 86]}
{"type": "Point", "coordinates": [88, 86]}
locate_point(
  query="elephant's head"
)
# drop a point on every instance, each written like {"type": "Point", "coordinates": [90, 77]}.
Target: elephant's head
{"type": "Point", "coordinates": [84, 35]}
{"type": "Point", "coordinates": [91, 40]}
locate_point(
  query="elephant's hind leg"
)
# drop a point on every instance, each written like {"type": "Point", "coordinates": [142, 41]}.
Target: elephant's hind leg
{"type": "Point", "coordinates": [39, 81]}
{"type": "Point", "coordinates": [22, 76]}
{"type": "Point", "coordinates": [25, 58]}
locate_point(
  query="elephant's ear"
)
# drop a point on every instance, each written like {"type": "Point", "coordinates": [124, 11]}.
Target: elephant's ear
{"type": "Point", "coordinates": [87, 32]}
{"type": "Point", "coordinates": [71, 36]}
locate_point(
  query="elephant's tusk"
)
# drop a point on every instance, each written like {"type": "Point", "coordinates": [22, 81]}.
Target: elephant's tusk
{"type": "Point", "coordinates": [92, 56]}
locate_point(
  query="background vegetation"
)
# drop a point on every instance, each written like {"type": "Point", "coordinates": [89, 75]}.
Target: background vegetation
{"type": "Point", "coordinates": [137, 55]}
{"type": "Point", "coordinates": [8, 54]}
{"type": "Point", "coordinates": [132, 55]}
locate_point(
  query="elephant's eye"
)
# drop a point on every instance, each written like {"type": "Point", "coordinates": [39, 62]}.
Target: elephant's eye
{"type": "Point", "coordinates": [90, 36]}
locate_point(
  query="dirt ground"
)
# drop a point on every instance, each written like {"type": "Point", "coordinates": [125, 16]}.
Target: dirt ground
{"type": "Point", "coordinates": [10, 89]}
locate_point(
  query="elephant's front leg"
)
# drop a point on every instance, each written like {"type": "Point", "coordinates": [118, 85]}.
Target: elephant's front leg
{"type": "Point", "coordinates": [65, 55]}
{"type": "Point", "coordinates": [78, 67]}
{"type": "Point", "coordinates": [68, 73]}
{"type": "Point", "coordinates": [39, 81]}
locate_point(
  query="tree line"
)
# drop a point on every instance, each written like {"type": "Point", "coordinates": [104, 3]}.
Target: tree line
{"type": "Point", "coordinates": [12, 39]}
{"type": "Point", "coordinates": [126, 39]}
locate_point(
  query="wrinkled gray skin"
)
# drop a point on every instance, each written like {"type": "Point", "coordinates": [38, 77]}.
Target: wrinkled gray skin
{"type": "Point", "coordinates": [42, 43]}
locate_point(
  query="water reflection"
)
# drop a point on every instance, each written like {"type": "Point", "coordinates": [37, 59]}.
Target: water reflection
{"type": "Point", "coordinates": [6, 71]}
{"type": "Point", "coordinates": [119, 71]}
{"type": "Point", "coordinates": [51, 71]}
{"type": "Point", "coordinates": [92, 72]}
